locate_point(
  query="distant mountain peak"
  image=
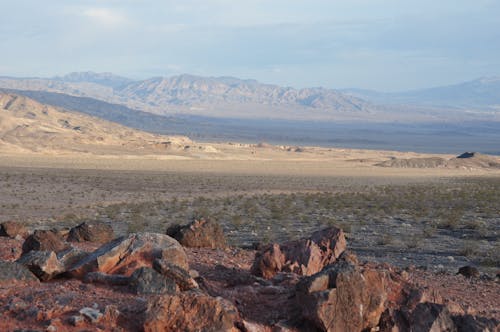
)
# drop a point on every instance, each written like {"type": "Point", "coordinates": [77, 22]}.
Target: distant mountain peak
{"type": "Point", "coordinates": [488, 79]}
{"type": "Point", "coordinates": [106, 78]}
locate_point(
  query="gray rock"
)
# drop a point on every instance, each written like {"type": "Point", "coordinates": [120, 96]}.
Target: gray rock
{"type": "Point", "coordinates": [15, 271]}
{"type": "Point", "coordinates": [146, 280]}
{"type": "Point", "coordinates": [93, 315]}
{"type": "Point", "coordinates": [180, 276]}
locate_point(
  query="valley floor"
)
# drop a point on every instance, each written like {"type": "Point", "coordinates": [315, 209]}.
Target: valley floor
{"type": "Point", "coordinates": [438, 218]}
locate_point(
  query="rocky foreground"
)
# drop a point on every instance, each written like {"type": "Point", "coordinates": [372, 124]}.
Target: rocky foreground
{"type": "Point", "coordinates": [189, 280]}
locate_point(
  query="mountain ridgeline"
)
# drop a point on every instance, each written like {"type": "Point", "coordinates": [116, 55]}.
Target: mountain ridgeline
{"type": "Point", "coordinates": [209, 96]}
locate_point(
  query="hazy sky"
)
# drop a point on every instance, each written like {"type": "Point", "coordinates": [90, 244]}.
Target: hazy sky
{"type": "Point", "coordinates": [377, 44]}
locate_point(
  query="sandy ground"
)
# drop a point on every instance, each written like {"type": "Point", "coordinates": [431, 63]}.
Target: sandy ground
{"type": "Point", "coordinates": [320, 162]}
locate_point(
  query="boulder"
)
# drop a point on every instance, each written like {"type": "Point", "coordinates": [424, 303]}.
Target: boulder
{"type": "Point", "coordinates": [469, 271]}
{"type": "Point", "coordinates": [343, 297]}
{"type": "Point", "coordinates": [469, 323]}
{"type": "Point", "coordinates": [304, 257]}
{"type": "Point", "coordinates": [91, 231]}
{"type": "Point", "coordinates": [430, 317]}
{"type": "Point", "coordinates": [44, 240]}
{"type": "Point", "coordinates": [44, 264]}
{"type": "Point", "coordinates": [13, 229]}
{"type": "Point", "coordinates": [70, 257]}
{"type": "Point", "coordinates": [10, 271]}
{"type": "Point", "coordinates": [146, 280]}
{"type": "Point", "coordinates": [199, 234]}
{"type": "Point", "coordinates": [126, 254]}
{"type": "Point", "coordinates": [190, 311]}
{"type": "Point", "coordinates": [175, 273]}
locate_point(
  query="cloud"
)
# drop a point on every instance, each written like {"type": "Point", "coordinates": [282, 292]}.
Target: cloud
{"type": "Point", "coordinates": [104, 16]}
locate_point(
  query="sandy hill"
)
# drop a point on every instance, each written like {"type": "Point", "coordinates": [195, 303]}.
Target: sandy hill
{"type": "Point", "coordinates": [26, 125]}
{"type": "Point", "coordinates": [467, 160]}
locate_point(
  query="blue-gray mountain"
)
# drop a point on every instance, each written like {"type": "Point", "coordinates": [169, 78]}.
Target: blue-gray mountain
{"type": "Point", "coordinates": [483, 93]}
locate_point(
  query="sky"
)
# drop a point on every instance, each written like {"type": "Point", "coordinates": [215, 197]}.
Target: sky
{"type": "Point", "coordinates": [386, 45]}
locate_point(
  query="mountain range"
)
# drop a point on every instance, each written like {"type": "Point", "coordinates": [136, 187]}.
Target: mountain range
{"type": "Point", "coordinates": [228, 97]}
{"type": "Point", "coordinates": [482, 93]}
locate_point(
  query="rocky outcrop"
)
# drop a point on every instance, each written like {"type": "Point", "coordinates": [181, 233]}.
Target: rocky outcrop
{"type": "Point", "coordinates": [44, 240]}
{"type": "Point", "coordinates": [304, 257]}
{"type": "Point", "coordinates": [190, 311]}
{"type": "Point", "coordinates": [146, 280]}
{"type": "Point", "coordinates": [344, 297]}
{"type": "Point", "coordinates": [199, 234]}
{"type": "Point", "coordinates": [173, 272]}
{"type": "Point", "coordinates": [126, 254]}
{"type": "Point", "coordinates": [13, 229]}
{"type": "Point", "coordinates": [10, 271]}
{"type": "Point", "coordinates": [44, 264]}
{"type": "Point", "coordinates": [91, 231]}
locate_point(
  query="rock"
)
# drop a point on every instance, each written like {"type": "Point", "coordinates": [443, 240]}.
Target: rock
{"type": "Point", "coordinates": [106, 279]}
{"type": "Point", "coordinates": [13, 229]}
{"type": "Point", "coordinates": [91, 231]}
{"type": "Point", "coordinates": [180, 276]}
{"type": "Point", "coordinates": [93, 315]}
{"type": "Point", "coordinates": [190, 311]}
{"type": "Point", "coordinates": [10, 271]}
{"type": "Point", "coordinates": [431, 317]}
{"type": "Point", "coordinates": [125, 254]}
{"type": "Point", "coordinates": [343, 297]}
{"type": "Point", "coordinates": [469, 271]}
{"type": "Point", "coordinates": [304, 257]}
{"type": "Point", "coordinates": [76, 320]}
{"type": "Point", "coordinates": [43, 240]}
{"type": "Point", "coordinates": [468, 323]}
{"type": "Point", "coordinates": [44, 264]}
{"type": "Point", "coordinates": [146, 280]}
{"type": "Point", "coordinates": [70, 257]}
{"type": "Point", "coordinates": [199, 234]}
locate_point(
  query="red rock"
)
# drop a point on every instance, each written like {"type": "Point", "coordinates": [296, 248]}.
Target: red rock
{"type": "Point", "coordinates": [44, 264]}
{"type": "Point", "coordinates": [344, 297]}
{"type": "Point", "coordinates": [125, 254]}
{"type": "Point", "coordinates": [13, 229]}
{"type": "Point", "coordinates": [304, 257]}
{"type": "Point", "coordinates": [201, 233]}
{"type": "Point", "coordinates": [190, 311]}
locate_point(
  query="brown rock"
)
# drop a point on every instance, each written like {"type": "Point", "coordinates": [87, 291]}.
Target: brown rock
{"type": "Point", "coordinates": [125, 254]}
{"type": "Point", "coordinates": [199, 234]}
{"type": "Point", "coordinates": [44, 264]}
{"type": "Point", "coordinates": [431, 317]}
{"type": "Point", "coordinates": [44, 240]}
{"type": "Point", "coordinates": [304, 257]}
{"type": "Point", "coordinates": [469, 271]}
{"type": "Point", "coordinates": [344, 297]}
{"type": "Point", "coordinates": [173, 272]}
{"type": "Point", "coordinates": [468, 323]}
{"type": "Point", "coordinates": [13, 229]}
{"type": "Point", "coordinates": [91, 231]}
{"type": "Point", "coordinates": [190, 311]}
